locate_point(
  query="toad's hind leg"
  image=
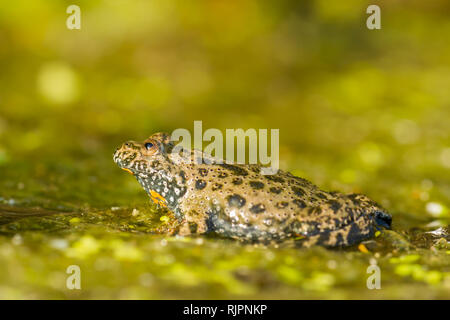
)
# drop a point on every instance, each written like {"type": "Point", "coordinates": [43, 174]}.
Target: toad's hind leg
{"type": "Point", "coordinates": [220, 224]}
{"type": "Point", "coordinates": [357, 231]}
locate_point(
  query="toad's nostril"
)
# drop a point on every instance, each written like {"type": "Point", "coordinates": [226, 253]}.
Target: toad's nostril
{"type": "Point", "coordinates": [383, 219]}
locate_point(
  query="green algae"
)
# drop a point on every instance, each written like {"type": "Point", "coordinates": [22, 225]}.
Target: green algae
{"type": "Point", "coordinates": [124, 258]}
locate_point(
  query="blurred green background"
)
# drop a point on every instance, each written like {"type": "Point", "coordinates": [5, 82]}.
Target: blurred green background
{"type": "Point", "coordinates": [358, 111]}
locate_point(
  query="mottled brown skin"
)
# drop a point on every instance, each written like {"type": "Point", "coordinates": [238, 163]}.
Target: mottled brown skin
{"type": "Point", "coordinates": [237, 201]}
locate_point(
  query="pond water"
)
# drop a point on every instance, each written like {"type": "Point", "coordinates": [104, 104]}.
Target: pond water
{"type": "Point", "coordinates": [358, 110]}
{"type": "Point", "coordinates": [55, 216]}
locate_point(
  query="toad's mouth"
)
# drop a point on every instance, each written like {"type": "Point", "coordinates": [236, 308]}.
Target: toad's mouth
{"type": "Point", "coordinates": [118, 156]}
{"type": "Point", "coordinates": [124, 159]}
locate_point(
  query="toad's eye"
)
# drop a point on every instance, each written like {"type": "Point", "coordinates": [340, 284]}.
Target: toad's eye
{"type": "Point", "coordinates": [148, 145]}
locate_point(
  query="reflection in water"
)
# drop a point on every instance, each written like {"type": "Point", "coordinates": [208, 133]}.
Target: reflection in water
{"type": "Point", "coordinates": [10, 213]}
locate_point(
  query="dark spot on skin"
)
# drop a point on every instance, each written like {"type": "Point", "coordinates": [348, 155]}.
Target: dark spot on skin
{"type": "Point", "coordinates": [324, 238]}
{"type": "Point", "coordinates": [274, 178]}
{"type": "Point", "coordinates": [129, 159]}
{"type": "Point", "coordinates": [298, 191]}
{"type": "Point", "coordinates": [237, 181]}
{"type": "Point", "coordinates": [314, 210]}
{"type": "Point", "coordinates": [236, 200]}
{"type": "Point", "coordinates": [334, 205]}
{"type": "Point", "coordinates": [209, 223]}
{"type": "Point", "coordinates": [337, 222]}
{"type": "Point", "coordinates": [182, 174]}
{"type": "Point", "coordinates": [312, 199]}
{"type": "Point", "coordinates": [193, 227]}
{"type": "Point", "coordinates": [372, 203]}
{"type": "Point", "coordinates": [322, 195]}
{"type": "Point", "coordinates": [255, 169]}
{"type": "Point", "coordinates": [339, 240]}
{"type": "Point", "coordinates": [217, 186]}
{"type": "Point", "coordinates": [237, 171]}
{"type": "Point", "coordinates": [282, 204]}
{"type": "Point", "coordinates": [155, 164]}
{"type": "Point", "coordinates": [256, 185]}
{"type": "Point", "coordinates": [200, 184]}
{"type": "Point", "coordinates": [275, 190]}
{"type": "Point", "coordinates": [300, 203]}
{"type": "Point", "coordinates": [203, 172]}
{"type": "Point", "coordinates": [354, 232]}
{"type": "Point", "coordinates": [131, 145]}
{"type": "Point", "coordinates": [258, 208]}
{"type": "Point", "coordinates": [167, 147]}
{"type": "Point", "coordinates": [354, 198]}
{"type": "Point", "coordinates": [295, 226]}
{"type": "Point", "coordinates": [302, 181]}
{"type": "Point", "coordinates": [139, 164]}
{"type": "Point", "coordinates": [222, 175]}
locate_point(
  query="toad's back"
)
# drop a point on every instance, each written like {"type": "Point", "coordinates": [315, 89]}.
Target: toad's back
{"type": "Point", "coordinates": [238, 201]}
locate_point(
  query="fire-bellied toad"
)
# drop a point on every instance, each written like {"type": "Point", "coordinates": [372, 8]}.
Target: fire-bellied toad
{"type": "Point", "coordinates": [237, 201]}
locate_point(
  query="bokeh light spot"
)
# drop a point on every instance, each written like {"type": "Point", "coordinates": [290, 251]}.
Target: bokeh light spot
{"type": "Point", "coordinates": [406, 132]}
{"type": "Point", "coordinates": [371, 155]}
{"type": "Point", "coordinates": [445, 157]}
{"type": "Point", "coordinates": [58, 83]}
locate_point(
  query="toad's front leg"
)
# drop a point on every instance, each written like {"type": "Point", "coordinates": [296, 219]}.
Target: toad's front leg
{"type": "Point", "coordinates": [193, 222]}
